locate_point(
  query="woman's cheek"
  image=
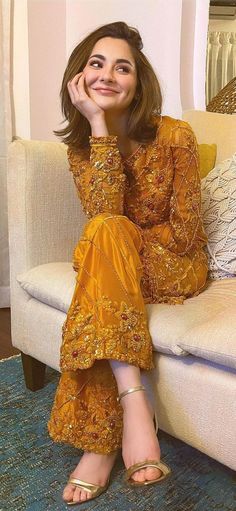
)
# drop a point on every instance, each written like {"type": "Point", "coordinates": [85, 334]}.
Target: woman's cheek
{"type": "Point", "coordinates": [88, 80]}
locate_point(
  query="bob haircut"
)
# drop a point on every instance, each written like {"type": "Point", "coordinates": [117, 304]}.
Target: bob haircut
{"type": "Point", "coordinates": [146, 104]}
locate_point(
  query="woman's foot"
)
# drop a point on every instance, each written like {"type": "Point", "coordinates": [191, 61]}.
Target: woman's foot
{"type": "Point", "coordinates": [139, 442]}
{"type": "Point", "coordinates": [92, 468]}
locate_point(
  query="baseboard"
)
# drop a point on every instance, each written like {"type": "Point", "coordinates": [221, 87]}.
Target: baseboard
{"type": "Point", "coordinates": [5, 300]}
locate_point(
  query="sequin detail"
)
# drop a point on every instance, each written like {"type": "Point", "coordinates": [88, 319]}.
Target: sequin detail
{"type": "Point", "coordinates": [143, 244]}
{"type": "Point", "coordinates": [124, 337]}
{"type": "Point", "coordinates": [100, 182]}
{"type": "Point", "coordinates": [85, 412]}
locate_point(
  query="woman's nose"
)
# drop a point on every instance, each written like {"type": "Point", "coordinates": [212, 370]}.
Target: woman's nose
{"type": "Point", "coordinates": [107, 74]}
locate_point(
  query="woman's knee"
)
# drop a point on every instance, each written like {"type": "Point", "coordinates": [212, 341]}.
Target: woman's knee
{"type": "Point", "coordinates": [99, 221]}
{"type": "Point", "coordinates": [117, 226]}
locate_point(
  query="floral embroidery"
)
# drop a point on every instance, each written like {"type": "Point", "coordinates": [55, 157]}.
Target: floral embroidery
{"type": "Point", "coordinates": [152, 198]}
{"type": "Point", "coordinates": [85, 412]}
{"type": "Point", "coordinates": [86, 338]}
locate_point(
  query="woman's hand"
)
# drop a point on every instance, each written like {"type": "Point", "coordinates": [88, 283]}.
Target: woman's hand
{"type": "Point", "coordinates": [80, 99]}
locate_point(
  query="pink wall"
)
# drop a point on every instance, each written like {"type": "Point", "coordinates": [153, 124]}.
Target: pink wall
{"type": "Point", "coordinates": [174, 35]}
{"type": "Point", "coordinates": [47, 59]}
{"type": "Point", "coordinates": [159, 22]}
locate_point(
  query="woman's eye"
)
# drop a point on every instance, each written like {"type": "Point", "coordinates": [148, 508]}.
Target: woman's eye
{"type": "Point", "coordinates": [95, 63]}
{"type": "Point", "coordinates": [124, 69]}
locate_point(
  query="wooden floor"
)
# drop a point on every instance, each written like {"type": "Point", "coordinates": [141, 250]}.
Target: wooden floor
{"type": "Point", "coordinates": [6, 348]}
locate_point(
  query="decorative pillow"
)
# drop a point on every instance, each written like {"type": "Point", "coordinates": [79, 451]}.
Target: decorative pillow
{"type": "Point", "coordinates": [219, 217]}
{"type": "Point", "coordinates": [50, 283]}
{"type": "Point", "coordinates": [207, 155]}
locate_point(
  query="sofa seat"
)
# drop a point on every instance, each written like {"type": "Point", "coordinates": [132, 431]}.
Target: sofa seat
{"type": "Point", "coordinates": [204, 326]}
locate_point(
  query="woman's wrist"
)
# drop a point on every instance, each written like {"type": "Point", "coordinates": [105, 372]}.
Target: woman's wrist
{"type": "Point", "coordinates": [99, 127]}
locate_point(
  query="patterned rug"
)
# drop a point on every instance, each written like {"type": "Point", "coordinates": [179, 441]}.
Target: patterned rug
{"type": "Point", "coordinates": [34, 469]}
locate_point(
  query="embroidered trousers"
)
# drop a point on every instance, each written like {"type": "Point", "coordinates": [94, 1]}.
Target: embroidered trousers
{"type": "Point", "coordinates": [106, 320]}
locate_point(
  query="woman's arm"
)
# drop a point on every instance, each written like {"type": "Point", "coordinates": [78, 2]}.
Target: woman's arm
{"type": "Point", "coordinates": [184, 229]}
{"type": "Point", "coordinates": [100, 182]}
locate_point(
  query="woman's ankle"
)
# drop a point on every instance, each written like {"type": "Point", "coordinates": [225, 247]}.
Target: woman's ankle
{"type": "Point", "coordinates": [134, 402]}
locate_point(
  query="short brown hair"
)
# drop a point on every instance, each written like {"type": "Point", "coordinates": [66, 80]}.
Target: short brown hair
{"type": "Point", "coordinates": [142, 109]}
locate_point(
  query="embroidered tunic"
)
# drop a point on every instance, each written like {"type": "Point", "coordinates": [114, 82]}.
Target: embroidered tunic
{"type": "Point", "coordinates": [143, 244]}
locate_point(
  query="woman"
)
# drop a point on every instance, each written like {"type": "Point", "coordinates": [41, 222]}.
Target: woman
{"type": "Point", "coordinates": [137, 177]}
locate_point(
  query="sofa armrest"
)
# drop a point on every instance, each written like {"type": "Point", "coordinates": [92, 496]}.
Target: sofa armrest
{"type": "Point", "coordinates": [45, 216]}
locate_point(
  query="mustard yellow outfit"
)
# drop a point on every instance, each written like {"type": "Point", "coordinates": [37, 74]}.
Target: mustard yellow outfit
{"type": "Point", "coordinates": [143, 244]}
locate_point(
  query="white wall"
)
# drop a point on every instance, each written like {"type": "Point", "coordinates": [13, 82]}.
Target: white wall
{"type": "Point", "coordinates": [47, 61]}
{"type": "Point", "coordinates": [21, 69]}
{"type": "Point", "coordinates": [152, 18]}
{"type": "Point", "coordinates": [195, 18]}
{"type": "Point", "coordinates": [174, 34]}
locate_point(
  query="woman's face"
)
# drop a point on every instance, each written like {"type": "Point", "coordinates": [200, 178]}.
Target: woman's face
{"type": "Point", "coordinates": [110, 74]}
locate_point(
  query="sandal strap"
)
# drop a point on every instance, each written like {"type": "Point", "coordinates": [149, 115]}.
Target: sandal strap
{"type": "Point", "coordinates": [90, 487]}
{"type": "Point", "coordinates": [146, 464]}
{"type": "Point", "coordinates": [94, 489]}
{"type": "Point", "coordinates": [129, 391]}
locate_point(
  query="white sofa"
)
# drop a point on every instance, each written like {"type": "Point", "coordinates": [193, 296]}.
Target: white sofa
{"type": "Point", "coordinates": [194, 343]}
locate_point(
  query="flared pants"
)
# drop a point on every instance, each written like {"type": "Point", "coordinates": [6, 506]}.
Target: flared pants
{"type": "Point", "coordinates": [106, 320]}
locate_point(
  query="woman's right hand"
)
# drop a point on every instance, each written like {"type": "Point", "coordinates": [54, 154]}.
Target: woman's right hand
{"type": "Point", "coordinates": [80, 99]}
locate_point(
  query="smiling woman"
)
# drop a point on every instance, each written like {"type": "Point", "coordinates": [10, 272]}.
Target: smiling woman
{"type": "Point", "coordinates": [138, 180]}
{"type": "Point", "coordinates": [89, 55]}
{"type": "Point", "coordinates": [109, 83]}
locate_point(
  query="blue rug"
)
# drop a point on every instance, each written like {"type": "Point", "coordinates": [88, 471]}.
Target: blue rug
{"type": "Point", "coordinates": [34, 470]}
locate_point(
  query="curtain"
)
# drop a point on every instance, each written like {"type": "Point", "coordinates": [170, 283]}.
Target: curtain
{"type": "Point", "coordinates": [5, 138]}
{"type": "Point", "coordinates": [221, 62]}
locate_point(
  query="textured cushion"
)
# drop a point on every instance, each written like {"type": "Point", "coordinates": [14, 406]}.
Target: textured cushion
{"type": "Point", "coordinates": [219, 217]}
{"type": "Point", "coordinates": [51, 283]}
{"type": "Point", "coordinates": [204, 326]}
{"type": "Point", "coordinates": [207, 155]}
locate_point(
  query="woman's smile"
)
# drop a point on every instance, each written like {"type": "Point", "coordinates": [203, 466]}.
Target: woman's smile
{"type": "Point", "coordinates": [111, 73]}
{"type": "Point", "coordinates": [105, 91]}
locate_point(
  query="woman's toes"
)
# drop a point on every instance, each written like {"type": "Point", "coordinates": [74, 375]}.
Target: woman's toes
{"type": "Point", "coordinates": [68, 493]}
{"type": "Point", "coordinates": [139, 476]}
{"type": "Point", "coordinates": [152, 473]}
{"type": "Point", "coordinates": [83, 495]}
{"type": "Point", "coordinates": [80, 495]}
{"type": "Point", "coordinates": [146, 474]}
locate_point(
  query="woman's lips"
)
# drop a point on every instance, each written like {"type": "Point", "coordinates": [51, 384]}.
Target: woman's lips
{"type": "Point", "coordinates": [106, 91]}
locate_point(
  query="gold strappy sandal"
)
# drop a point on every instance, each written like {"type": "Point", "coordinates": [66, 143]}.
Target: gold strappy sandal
{"type": "Point", "coordinates": [166, 471]}
{"type": "Point", "coordinates": [94, 489]}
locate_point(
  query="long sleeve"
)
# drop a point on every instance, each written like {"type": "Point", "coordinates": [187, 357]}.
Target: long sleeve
{"type": "Point", "coordinates": [183, 231]}
{"type": "Point", "coordinates": [100, 180]}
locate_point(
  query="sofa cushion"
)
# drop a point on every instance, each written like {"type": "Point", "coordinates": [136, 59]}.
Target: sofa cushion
{"type": "Point", "coordinates": [219, 217]}
{"type": "Point", "coordinates": [204, 326]}
{"type": "Point", "coordinates": [51, 283]}
{"type": "Point", "coordinates": [207, 156]}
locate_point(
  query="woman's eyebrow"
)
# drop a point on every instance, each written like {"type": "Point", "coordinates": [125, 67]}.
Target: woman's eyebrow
{"type": "Point", "coordinates": [119, 61]}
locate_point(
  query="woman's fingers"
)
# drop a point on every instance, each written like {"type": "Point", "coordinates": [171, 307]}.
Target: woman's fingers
{"type": "Point", "coordinates": [75, 83]}
{"type": "Point", "coordinates": [80, 99]}
{"type": "Point", "coordinates": [70, 93]}
{"type": "Point", "coordinates": [81, 85]}
{"type": "Point", "coordinates": [74, 89]}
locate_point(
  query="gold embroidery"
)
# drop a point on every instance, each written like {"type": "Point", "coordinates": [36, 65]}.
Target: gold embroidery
{"type": "Point", "coordinates": [100, 182]}
{"type": "Point", "coordinates": [143, 244]}
{"type": "Point", "coordinates": [85, 412]}
{"type": "Point", "coordinates": [124, 336]}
